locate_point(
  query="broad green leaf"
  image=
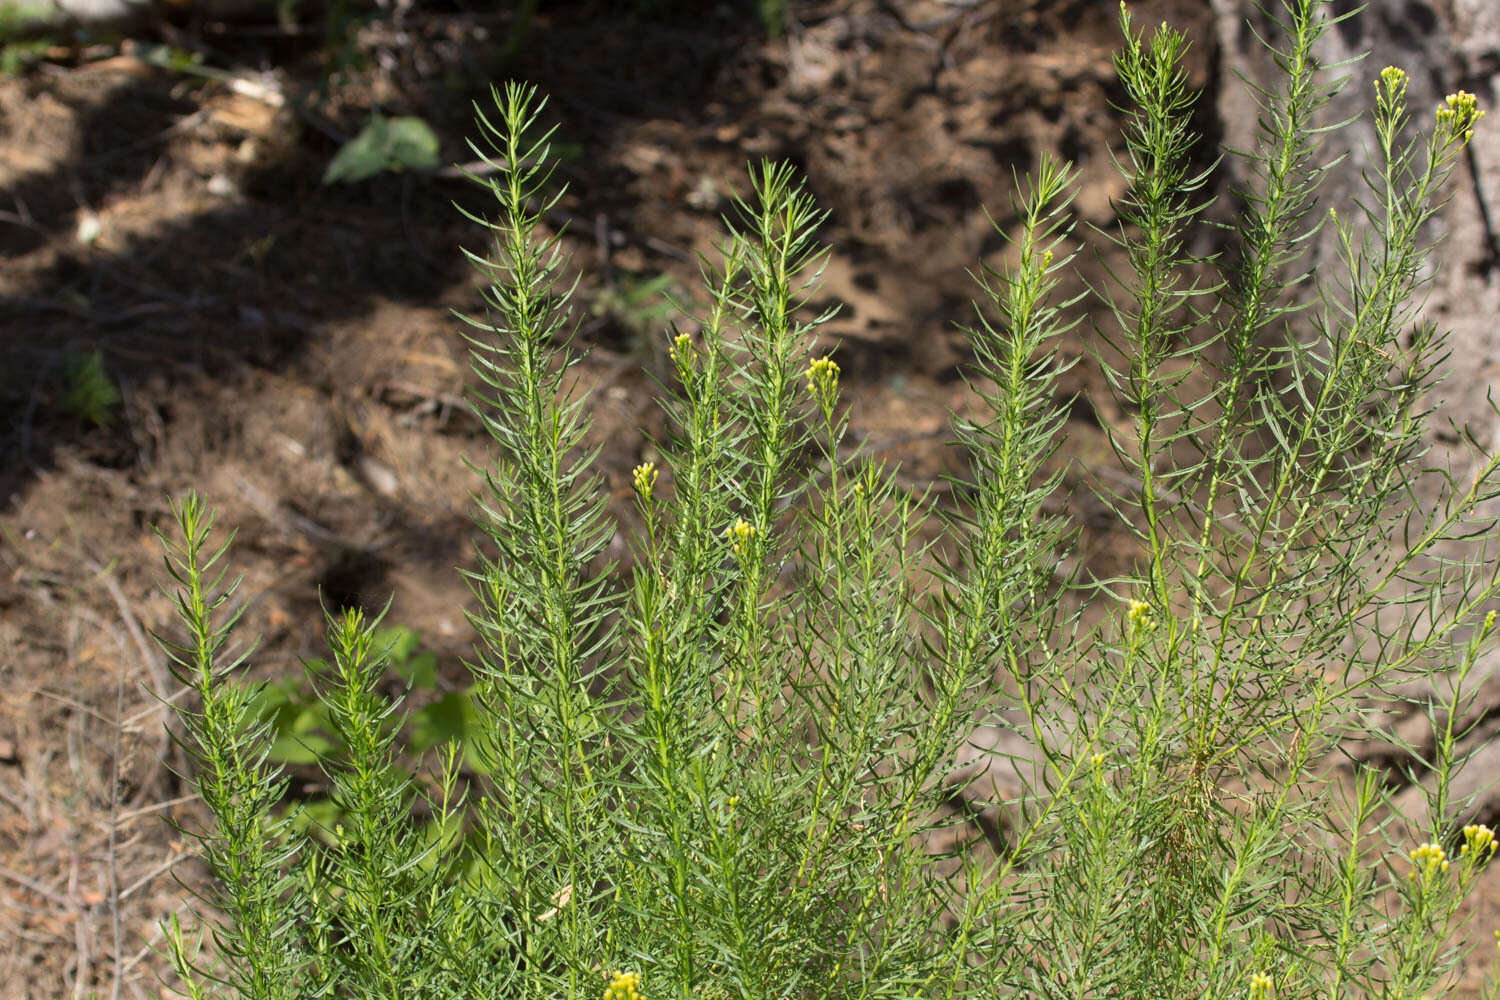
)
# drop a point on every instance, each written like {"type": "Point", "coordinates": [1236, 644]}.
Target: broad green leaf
{"type": "Point", "coordinates": [451, 717]}
{"type": "Point", "coordinates": [318, 817]}
{"type": "Point", "coordinates": [301, 739]}
{"type": "Point", "coordinates": [384, 144]}
{"type": "Point", "coordinates": [418, 667]}
{"type": "Point", "coordinates": [301, 748]}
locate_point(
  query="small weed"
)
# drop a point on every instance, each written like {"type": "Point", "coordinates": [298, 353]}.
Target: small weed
{"type": "Point", "coordinates": [88, 391]}
{"type": "Point", "coordinates": [640, 305]}
{"type": "Point", "coordinates": [21, 45]}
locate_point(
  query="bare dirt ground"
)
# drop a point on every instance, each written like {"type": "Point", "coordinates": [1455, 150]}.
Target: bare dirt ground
{"type": "Point", "coordinates": [287, 348]}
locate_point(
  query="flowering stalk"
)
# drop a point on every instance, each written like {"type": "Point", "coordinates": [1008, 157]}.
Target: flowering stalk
{"type": "Point", "coordinates": [732, 769]}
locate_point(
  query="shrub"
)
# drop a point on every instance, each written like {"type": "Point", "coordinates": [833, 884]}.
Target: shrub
{"type": "Point", "coordinates": [727, 770]}
{"type": "Point", "coordinates": [88, 391]}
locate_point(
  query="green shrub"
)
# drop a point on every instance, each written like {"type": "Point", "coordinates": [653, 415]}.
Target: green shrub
{"type": "Point", "coordinates": [88, 391]}
{"type": "Point", "coordinates": [728, 770]}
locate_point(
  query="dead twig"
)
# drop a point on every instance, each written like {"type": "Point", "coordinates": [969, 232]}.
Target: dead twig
{"type": "Point", "coordinates": [51, 895]}
{"type": "Point", "coordinates": [111, 859]}
{"type": "Point", "coordinates": [151, 875]}
{"type": "Point", "coordinates": [161, 681]}
{"type": "Point", "coordinates": [83, 951]}
{"type": "Point", "coordinates": [23, 221]}
{"type": "Point", "coordinates": [130, 814]}
{"type": "Point", "coordinates": [134, 720]}
{"type": "Point", "coordinates": [72, 703]}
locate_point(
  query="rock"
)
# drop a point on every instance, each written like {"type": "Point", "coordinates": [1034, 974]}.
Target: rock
{"type": "Point", "coordinates": [997, 773]}
{"type": "Point", "coordinates": [1473, 797]}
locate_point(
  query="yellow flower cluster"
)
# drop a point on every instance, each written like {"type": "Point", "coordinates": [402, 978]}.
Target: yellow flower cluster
{"type": "Point", "coordinates": [1393, 78]}
{"type": "Point", "coordinates": [624, 986]}
{"type": "Point", "coordinates": [643, 477]}
{"type": "Point", "coordinates": [1429, 858]}
{"type": "Point", "coordinates": [1261, 986]}
{"type": "Point", "coordinates": [681, 350]}
{"type": "Point", "coordinates": [1140, 617]}
{"type": "Point", "coordinates": [823, 380]}
{"type": "Point", "coordinates": [739, 534]}
{"type": "Point", "coordinates": [1460, 115]}
{"type": "Point", "coordinates": [1479, 842]}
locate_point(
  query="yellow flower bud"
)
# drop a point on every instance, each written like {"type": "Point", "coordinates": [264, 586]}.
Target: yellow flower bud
{"type": "Point", "coordinates": [739, 534]}
{"type": "Point", "coordinates": [624, 986]}
{"type": "Point", "coordinates": [643, 477]}
{"type": "Point", "coordinates": [823, 380]}
{"type": "Point", "coordinates": [681, 351]}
